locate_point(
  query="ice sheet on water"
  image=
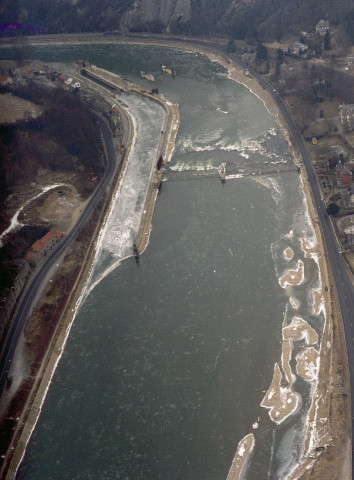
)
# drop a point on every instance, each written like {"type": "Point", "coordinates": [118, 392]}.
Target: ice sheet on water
{"type": "Point", "coordinates": [120, 230]}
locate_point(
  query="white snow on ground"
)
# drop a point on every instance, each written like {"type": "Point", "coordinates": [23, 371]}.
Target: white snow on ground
{"type": "Point", "coordinates": [119, 232]}
{"type": "Point", "coordinates": [15, 224]}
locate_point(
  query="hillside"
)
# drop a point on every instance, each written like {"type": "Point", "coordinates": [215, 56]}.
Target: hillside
{"type": "Point", "coordinates": [269, 19]}
{"type": "Point", "coordinates": [62, 143]}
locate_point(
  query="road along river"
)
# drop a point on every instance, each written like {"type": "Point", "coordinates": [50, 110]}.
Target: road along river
{"type": "Point", "coordinates": [168, 362]}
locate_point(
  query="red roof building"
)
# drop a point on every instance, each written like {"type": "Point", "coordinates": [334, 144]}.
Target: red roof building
{"type": "Point", "coordinates": [43, 246]}
{"type": "Point", "coordinates": [344, 175]}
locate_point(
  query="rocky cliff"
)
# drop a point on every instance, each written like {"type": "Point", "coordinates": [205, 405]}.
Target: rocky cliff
{"type": "Point", "coordinates": [240, 19]}
{"type": "Point", "coordinates": [155, 12]}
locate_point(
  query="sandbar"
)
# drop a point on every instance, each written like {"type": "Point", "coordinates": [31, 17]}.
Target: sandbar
{"type": "Point", "coordinates": [281, 401]}
{"type": "Point", "coordinates": [293, 276]}
{"type": "Point", "coordinates": [307, 364]}
{"type": "Point", "coordinates": [309, 247]}
{"type": "Point", "coordinates": [241, 458]}
{"type": "Point", "coordinates": [288, 253]}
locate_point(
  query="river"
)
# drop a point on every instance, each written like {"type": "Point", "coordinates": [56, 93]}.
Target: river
{"type": "Point", "coordinates": [168, 360]}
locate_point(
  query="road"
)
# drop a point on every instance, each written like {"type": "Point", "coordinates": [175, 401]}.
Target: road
{"type": "Point", "coordinates": [33, 288]}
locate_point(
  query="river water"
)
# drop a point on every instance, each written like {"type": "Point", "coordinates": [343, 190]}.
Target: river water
{"type": "Point", "coordinates": [168, 360]}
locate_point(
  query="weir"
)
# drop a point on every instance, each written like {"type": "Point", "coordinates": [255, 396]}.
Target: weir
{"type": "Point", "coordinates": [232, 172]}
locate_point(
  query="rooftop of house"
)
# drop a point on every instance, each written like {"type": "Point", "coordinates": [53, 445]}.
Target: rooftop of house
{"type": "Point", "coordinates": [299, 45]}
{"type": "Point", "coordinates": [42, 242]}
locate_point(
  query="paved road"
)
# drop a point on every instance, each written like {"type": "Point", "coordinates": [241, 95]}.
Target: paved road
{"type": "Point", "coordinates": [31, 292]}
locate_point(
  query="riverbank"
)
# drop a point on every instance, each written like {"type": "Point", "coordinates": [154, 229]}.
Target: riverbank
{"type": "Point", "coordinates": [165, 147]}
{"type": "Point", "coordinates": [333, 402]}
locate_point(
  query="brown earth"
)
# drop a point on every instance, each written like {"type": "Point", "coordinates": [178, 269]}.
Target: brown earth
{"type": "Point", "coordinates": [14, 108]}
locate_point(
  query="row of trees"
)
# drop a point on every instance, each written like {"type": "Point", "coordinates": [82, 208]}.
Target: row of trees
{"type": "Point", "coordinates": [67, 121]}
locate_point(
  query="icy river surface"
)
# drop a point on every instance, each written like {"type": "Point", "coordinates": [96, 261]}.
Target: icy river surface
{"type": "Point", "coordinates": [168, 360]}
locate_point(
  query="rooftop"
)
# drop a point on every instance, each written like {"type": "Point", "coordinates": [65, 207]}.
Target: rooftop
{"type": "Point", "coordinates": [40, 244]}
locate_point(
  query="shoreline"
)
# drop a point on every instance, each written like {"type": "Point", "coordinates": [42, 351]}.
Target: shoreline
{"type": "Point", "coordinates": [321, 394]}
{"type": "Point", "coordinates": [329, 295]}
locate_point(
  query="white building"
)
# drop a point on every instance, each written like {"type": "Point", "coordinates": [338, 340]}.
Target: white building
{"type": "Point", "coordinates": [322, 27]}
{"type": "Point", "coordinates": [346, 114]}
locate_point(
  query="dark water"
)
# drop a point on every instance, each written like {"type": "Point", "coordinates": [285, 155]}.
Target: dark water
{"type": "Point", "coordinates": [167, 361]}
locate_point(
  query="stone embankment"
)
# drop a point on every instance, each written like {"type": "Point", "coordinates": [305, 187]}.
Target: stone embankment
{"type": "Point", "coordinates": [166, 144]}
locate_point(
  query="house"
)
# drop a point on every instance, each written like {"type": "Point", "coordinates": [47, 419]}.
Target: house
{"type": "Point", "coordinates": [38, 67]}
{"type": "Point", "coordinates": [42, 247]}
{"type": "Point", "coordinates": [322, 27]}
{"type": "Point", "coordinates": [52, 70]}
{"type": "Point", "coordinates": [249, 58]}
{"type": "Point", "coordinates": [28, 71]}
{"type": "Point", "coordinates": [332, 161]}
{"type": "Point", "coordinates": [344, 175]}
{"type": "Point", "coordinates": [346, 114]}
{"type": "Point", "coordinates": [5, 79]}
{"type": "Point", "coordinates": [350, 166]}
{"type": "Point", "coordinates": [339, 151]}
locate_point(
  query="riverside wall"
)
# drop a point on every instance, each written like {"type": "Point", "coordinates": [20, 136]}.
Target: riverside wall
{"type": "Point", "coordinates": [165, 147]}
